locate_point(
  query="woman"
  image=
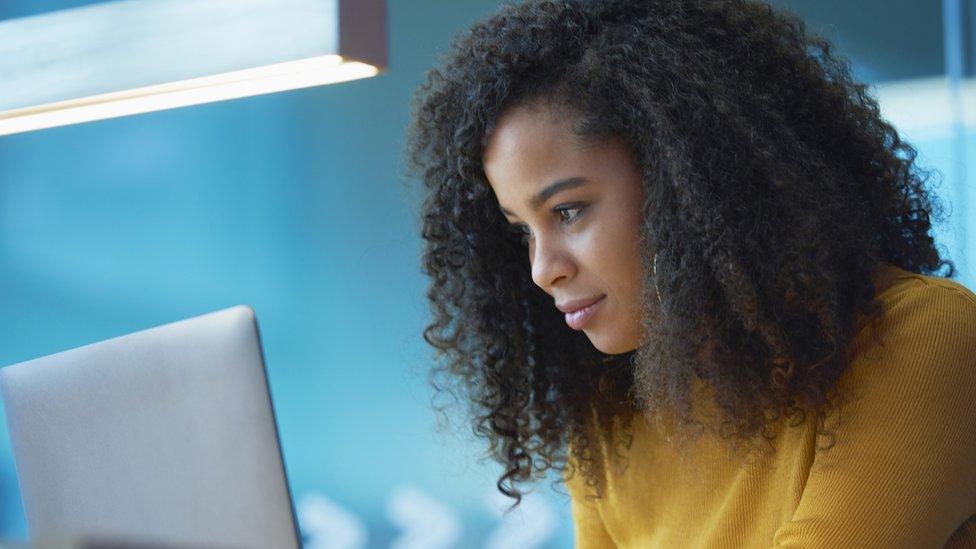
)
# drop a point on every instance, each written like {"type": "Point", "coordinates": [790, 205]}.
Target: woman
{"type": "Point", "coordinates": [677, 255]}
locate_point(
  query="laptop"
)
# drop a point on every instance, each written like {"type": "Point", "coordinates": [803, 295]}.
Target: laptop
{"type": "Point", "coordinates": [165, 437]}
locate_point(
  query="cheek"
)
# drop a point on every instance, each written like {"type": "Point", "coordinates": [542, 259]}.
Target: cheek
{"type": "Point", "coordinates": [621, 256]}
{"type": "Point", "coordinates": [613, 252]}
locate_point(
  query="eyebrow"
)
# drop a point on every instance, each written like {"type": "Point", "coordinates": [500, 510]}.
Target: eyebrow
{"type": "Point", "coordinates": [554, 188]}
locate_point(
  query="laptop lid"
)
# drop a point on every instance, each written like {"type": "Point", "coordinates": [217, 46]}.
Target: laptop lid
{"type": "Point", "coordinates": [166, 435]}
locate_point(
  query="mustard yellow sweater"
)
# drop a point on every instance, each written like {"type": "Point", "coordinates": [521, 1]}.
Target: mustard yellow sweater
{"type": "Point", "coordinates": [901, 473]}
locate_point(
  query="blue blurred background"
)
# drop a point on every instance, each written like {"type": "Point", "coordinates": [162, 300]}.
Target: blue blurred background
{"type": "Point", "coordinates": [295, 203]}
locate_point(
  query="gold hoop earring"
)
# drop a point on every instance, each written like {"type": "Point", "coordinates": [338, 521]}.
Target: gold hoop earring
{"type": "Point", "coordinates": [657, 292]}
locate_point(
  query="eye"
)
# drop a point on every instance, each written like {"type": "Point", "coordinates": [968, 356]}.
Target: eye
{"type": "Point", "coordinates": [522, 230]}
{"type": "Point", "coordinates": [563, 209]}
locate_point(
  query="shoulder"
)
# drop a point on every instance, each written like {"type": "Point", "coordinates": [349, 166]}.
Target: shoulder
{"type": "Point", "coordinates": [925, 344]}
{"type": "Point", "coordinates": [899, 287]}
{"type": "Point", "coordinates": [920, 304]}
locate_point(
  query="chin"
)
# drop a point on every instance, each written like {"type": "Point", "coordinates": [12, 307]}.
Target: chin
{"type": "Point", "coordinates": [610, 347]}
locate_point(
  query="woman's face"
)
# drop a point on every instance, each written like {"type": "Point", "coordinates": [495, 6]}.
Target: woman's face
{"type": "Point", "coordinates": [580, 207]}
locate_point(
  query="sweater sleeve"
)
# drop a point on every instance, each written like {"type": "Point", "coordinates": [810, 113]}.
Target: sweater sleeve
{"type": "Point", "coordinates": [900, 472]}
{"type": "Point", "coordinates": [588, 529]}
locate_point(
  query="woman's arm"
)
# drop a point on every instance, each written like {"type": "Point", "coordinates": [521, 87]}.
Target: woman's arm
{"type": "Point", "coordinates": [902, 472]}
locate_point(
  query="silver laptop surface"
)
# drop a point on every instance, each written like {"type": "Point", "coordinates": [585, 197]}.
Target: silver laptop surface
{"type": "Point", "coordinates": [164, 436]}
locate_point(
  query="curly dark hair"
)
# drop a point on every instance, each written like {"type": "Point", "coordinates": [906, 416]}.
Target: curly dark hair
{"type": "Point", "coordinates": [773, 190]}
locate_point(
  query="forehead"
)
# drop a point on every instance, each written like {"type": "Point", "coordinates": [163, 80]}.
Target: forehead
{"type": "Point", "coordinates": [532, 146]}
{"type": "Point", "coordinates": [534, 132]}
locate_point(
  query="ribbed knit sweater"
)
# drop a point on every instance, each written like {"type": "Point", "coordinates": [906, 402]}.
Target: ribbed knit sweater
{"type": "Point", "coordinates": [901, 472]}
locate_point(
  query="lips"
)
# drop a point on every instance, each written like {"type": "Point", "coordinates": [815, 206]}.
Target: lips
{"type": "Point", "coordinates": [577, 319]}
{"type": "Point", "coordinates": [577, 304]}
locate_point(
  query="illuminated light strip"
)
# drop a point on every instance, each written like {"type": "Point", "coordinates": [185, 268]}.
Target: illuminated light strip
{"type": "Point", "coordinates": [272, 78]}
{"type": "Point", "coordinates": [125, 57]}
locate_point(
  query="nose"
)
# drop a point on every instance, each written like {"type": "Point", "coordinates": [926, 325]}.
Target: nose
{"type": "Point", "coordinates": [550, 261]}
